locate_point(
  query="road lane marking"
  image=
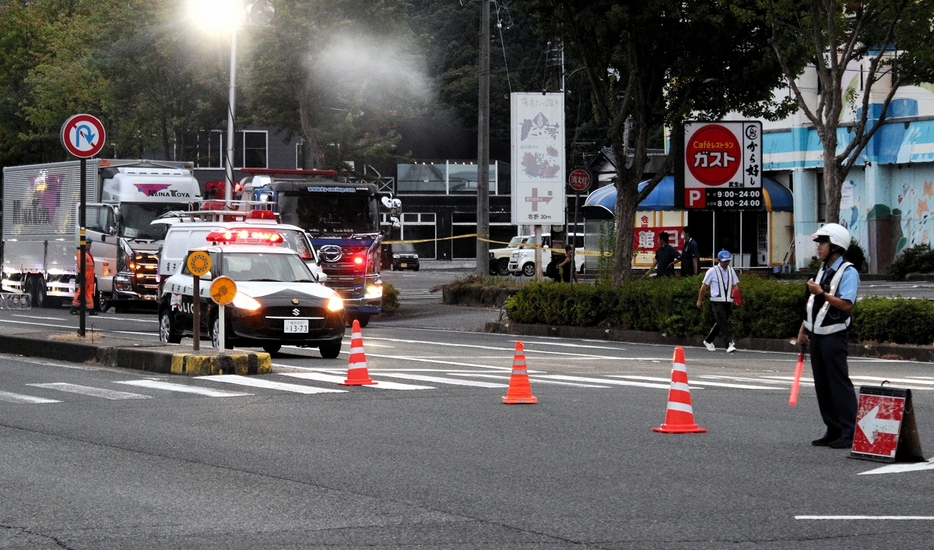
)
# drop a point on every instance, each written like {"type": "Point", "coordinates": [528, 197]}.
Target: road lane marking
{"type": "Point", "coordinates": [18, 398]}
{"type": "Point", "coordinates": [168, 386]}
{"type": "Point", "coordinates": [91, 391]}
{"type": "Point", "coordinates": [861, 518]}
{"type": "Point", "coordinates": [881, 379]}
{"type": "Point", "coordinates": [604, 381]}
{"type": "Point", "coordinates": [901, 468]}
{"type": "Point", "coordinates": [336, 379]}
{"type": "Point", "coordinates": [442, 380]}
{"type": "Point", "coordinates": [704, 383]}
{"type": "Point", "coordinates": [441, 362]}
{"type": "Point", "coordinates": [267, 384]}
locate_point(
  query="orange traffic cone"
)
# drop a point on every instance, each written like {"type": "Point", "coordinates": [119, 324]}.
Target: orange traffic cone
{"type": "Point", "coordinates": [520, 391]}
{"type": "Point", "coordinates": [357, 374]}
{"type": "Point", "coordinates": [679, 417]}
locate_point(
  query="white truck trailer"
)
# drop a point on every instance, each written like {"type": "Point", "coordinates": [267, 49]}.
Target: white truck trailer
{"type": "Point", "coordinates": [40, 226]}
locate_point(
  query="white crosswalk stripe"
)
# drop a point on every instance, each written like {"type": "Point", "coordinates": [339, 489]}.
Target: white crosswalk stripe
{"type": "Point", "coordinates": [257, 382]}
{"type": "Point", "coordinates": [18, 398]}
{"type": "Point", "coordinates": [335, 379]}
{"type": "Point", "coordinates": [91, 391]}
{"type": "Point", "coordinates": [168, 386]}
{"type": "Point", "coordinates": [324, 380]}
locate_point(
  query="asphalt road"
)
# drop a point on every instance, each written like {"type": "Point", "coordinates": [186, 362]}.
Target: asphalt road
{"type": "Point", "coordinates": [429, 457]}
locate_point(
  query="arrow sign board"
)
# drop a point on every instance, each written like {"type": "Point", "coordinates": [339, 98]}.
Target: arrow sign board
{"type": "Point", "coordinates": [885, 425]}
{"type": "Point", "coordinates": [83, 136]}
{"type": "Point", "coordinates": [538, 159]}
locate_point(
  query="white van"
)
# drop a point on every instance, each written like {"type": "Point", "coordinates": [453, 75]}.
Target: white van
{"type": "Point", "coordinates": [184, 235]}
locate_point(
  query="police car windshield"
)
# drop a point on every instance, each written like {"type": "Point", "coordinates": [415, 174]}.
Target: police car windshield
{"type": "Point", "coordinates": [285, 268]}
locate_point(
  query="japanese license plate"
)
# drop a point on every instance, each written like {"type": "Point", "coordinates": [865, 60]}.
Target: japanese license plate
{"type": "Point", "coordinates": [403, 265]}
{"type": "Point", "coordinates": [295, 326]}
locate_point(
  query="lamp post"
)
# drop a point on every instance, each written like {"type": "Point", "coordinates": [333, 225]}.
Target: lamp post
{"type": "Point", "coordinates": [231, 109]}
{"type": "Point", "coordinates": [228, 16]}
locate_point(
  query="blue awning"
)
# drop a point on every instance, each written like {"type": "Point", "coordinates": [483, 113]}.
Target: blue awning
{"type": "Point", "coordinates": [601, 204]}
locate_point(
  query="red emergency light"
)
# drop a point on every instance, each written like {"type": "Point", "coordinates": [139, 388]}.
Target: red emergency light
{"type": "Point", "coordinates": [262, 215]}
{"type": "Point", "coordinates": [245, 236]}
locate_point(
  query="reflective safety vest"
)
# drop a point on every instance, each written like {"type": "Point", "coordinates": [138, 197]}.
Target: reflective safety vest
{"type": "Point", "coordinates": [827, 319]}
{"type": "Point", "coordinates": [725, 286]}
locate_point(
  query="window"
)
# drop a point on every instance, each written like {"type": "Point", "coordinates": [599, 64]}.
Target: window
{"type": "Point", "coordinates": [205, 148]}
{"type": "Point", "coordinates": [255, 150]}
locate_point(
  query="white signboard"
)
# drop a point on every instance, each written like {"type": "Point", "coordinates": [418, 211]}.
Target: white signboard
{"type": "Point", "coordinates": [538, 159]}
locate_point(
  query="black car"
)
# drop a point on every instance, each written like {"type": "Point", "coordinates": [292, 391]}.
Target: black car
{"type": "Point", "coordinates": [277, 302]}
{"type": "Point", "coordinates": [400, 256]}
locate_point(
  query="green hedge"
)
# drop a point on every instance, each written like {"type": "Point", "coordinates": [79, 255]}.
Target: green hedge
{"type": "Point", "coordinates": [771, 309]}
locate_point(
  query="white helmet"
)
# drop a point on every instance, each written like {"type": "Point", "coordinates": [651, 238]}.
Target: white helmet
{"type": "Point", "coordinates": [835, 233]}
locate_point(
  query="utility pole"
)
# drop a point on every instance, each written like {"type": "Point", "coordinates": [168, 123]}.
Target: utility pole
{"type": "Point", "coordinates": [483, 145]}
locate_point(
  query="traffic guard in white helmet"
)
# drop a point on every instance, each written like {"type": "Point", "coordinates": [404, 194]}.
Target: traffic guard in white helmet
{"type": "Point", "coordinates": [831, 295]}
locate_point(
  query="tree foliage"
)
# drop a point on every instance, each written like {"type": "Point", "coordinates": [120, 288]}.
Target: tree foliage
{"type": "Point", "coordinates": [657, 63]}
{"type": "Point", "coordinates": [888, 39]}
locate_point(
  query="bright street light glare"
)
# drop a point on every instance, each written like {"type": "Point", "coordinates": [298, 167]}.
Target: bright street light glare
{"type": "Point", "coordinates": [216, 16]}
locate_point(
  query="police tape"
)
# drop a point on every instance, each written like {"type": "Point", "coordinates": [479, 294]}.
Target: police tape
{"type": "Point", "coordinates": [477, 236]}
{"type": "Point", "coordinates": [15, 301]}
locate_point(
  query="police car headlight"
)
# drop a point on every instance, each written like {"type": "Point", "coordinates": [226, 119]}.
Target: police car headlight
{"type": "Point", "coordinates": [242, 301]}
{"type": "Point", "coordinates": [335, 303]}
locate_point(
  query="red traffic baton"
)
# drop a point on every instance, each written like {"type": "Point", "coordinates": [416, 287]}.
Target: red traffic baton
{"type": "Point", "coordinates": [796, 384]}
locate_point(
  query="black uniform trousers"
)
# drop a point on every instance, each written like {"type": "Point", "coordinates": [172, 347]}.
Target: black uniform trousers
{"type": "Point", "coordinates": [722, 311]}
{"type": "Point", "coordinates": [836, 398]}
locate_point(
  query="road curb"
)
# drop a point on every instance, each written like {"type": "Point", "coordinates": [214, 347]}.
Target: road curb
{"type": "Point", "coordinates": [156, 357]}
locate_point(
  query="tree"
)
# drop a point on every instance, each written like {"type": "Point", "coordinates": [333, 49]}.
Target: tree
{"type": "Point", "coordinates": [656, 63]}
{"type": "Point", "coordinates": [887, 39]}
{"type": "Point", "coordinates": [340, 74]}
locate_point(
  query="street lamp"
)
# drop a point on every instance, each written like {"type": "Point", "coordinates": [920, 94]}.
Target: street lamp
{"type": "Point", "coordinates": [228, 16]}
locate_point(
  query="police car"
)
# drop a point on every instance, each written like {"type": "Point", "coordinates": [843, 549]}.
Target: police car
{"type": "Point", "coordinates": [277, 301]}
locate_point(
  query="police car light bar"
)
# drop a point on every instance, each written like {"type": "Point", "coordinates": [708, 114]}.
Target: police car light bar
{"type": "Point", "coordinates": [244, 236]}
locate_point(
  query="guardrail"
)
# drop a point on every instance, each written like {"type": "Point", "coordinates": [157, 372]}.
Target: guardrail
{"type": "Point", "coordinates": [14, 300]}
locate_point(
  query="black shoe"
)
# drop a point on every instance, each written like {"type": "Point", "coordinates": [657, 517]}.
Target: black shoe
{"type": "Point", "coordinates": [825, 441]}
{"type": "Point", "coordinates": [74, 311]}
{"type": "Point", "coordinates": [92, 312]}
{"type": "Point", "coordinates": [842, 443]}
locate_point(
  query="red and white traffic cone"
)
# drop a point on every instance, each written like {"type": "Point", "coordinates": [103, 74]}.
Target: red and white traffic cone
{"type": "Point", "coordinates": [357, 374]}
{"type": "Point", "coordinates": [679, 416]}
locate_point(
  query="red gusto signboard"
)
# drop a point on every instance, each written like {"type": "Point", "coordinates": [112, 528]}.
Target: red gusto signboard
{"type": "Point", "coordinates": [723, 165]}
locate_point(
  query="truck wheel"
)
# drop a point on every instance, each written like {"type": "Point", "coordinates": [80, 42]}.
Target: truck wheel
{"type": "Point", "coordinates": [167, 331]}
{"type": "Point", "coordinates": [272, 349]}
{"type": "Point", "coordinates": [35, 287]}
{"type": "Point", "coordinates": [216, 335]}
{"type": "Point", "coordinates": [330, 350]}
{"type": "Point", "coordinates": [364, 320]}
{"type": "Point", "coordinates": [502, 267]}
{"type": "Point", "coordinates": [529, 269]}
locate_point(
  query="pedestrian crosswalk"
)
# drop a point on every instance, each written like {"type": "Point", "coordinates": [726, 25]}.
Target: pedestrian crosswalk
{"type": "Point", "coordinates": [290, 380]}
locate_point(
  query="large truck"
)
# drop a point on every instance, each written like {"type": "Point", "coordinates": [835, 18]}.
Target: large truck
{"type": "Point", "coordinates": [342, 220]}
{"type": "Point", "coordinates": [41, 205]}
